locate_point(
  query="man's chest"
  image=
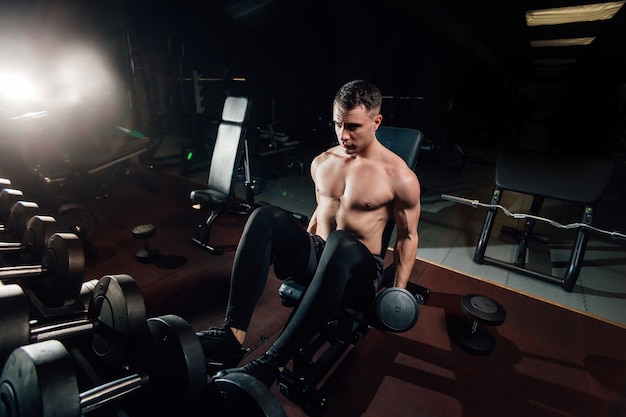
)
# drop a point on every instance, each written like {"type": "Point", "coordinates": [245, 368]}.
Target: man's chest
{"type": "Point", "coordinates": [355, 187]}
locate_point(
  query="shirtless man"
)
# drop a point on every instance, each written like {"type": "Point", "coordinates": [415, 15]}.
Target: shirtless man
{"type": "Point", "coordinates": [359, 184]}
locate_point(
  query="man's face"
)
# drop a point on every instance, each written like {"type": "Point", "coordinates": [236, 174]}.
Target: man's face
{"type": "Point", "coordinates": [355, 128]}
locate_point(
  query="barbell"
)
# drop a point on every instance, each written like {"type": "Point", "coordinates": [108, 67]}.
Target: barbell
{"type": "Point", "coordinates": [116, 312]}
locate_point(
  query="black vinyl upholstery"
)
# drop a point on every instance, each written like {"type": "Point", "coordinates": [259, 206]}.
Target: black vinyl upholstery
{"type": "Point", "coordinates": [219, 195]}
{"type": "Point", "coordinates": [404, 141]}
{"type": "Point", "coordinates": [576, 179]}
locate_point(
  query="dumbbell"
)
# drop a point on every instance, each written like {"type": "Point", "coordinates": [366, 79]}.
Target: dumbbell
{"type": "Point", "coordinates": [146, 253]}
{"type": "Point", "coordinates": [17, 217]}
{"type": "Point", "coordinates": [41, 380]}
{"type": "Point", "coordinates": [116, 313]}
{"type": "Point", "coordinates": [58, 279]}
{"type": "Point", "coordinates": [39, 229]}
{"type": "Point", "coordinates": [469, 335]}
{"type": "Point", "coordinates": [395, 310]}
{"type": "Point", "coordinates": [8, 197]}
{"type": "Point", "coordinates": [78, 220]}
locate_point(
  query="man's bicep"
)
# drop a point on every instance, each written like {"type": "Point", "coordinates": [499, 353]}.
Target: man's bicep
{"type": "Point", "coordinates": [407, 207]}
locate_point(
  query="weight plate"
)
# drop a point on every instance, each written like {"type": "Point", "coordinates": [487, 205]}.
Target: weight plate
{"type": "Point", "coordinates": [8, 197]}
{"type": "Point", "coordinates": [40, 380]}
{"type": "Point", "coordinates": [63, 270]}
{"type": "Point", "coordinates": [78, 220]}
{"type": "Point", "coordinates": [117, 306]}
{"type": "Point", "coordinates": [396, 309]}
{"type": "Point", "coordinates": [479, 342]}
{"type": "Point", "coordinates": [39, 230]}
{"type": "Point", "coordinates": [483, 309]}
{"type": "Point", "coordinates": [180, 366]}
{"type": "Point", "coordinates": [143, 231]}
{"type": "Point", "coordinates": [244, 395]}
{"type": "Point", "coordinates": [14, 319]}
{"type": "Point", "coordinates": [19, 215]}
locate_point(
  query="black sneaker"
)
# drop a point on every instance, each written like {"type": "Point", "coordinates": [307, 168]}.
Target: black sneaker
{"type": "Point", "coordinates": [221, 348]}
{"type": "Point", "coordinates": [261, 368]}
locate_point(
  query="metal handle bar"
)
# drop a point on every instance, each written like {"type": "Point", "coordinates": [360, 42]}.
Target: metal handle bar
{"type": "Point", "coordinates": [476, 203]}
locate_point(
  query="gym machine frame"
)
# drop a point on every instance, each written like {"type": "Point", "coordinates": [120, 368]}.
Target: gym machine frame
{"type": "Point", "coordinates": [573, 179]}
{"type": "Point", "coordinates": [394, 310]}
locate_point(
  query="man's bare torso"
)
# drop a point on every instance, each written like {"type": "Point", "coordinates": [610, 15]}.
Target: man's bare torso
{"type": "Point", "coordinates": [355, 194]}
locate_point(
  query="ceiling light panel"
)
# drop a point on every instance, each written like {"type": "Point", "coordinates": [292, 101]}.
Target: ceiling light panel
{"type": "Point", "coordinates": [561, 42]}
{"type": "Point", "coordinates": [573, 14]}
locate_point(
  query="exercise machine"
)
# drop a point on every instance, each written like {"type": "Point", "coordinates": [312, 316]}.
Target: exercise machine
{"type": "Point", "coordinates": [394, 310]}
{"type": "Point", "coordinates": [568, 281]}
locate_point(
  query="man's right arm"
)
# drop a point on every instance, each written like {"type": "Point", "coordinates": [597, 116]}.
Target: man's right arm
{"type": "Point", "coordinates": [312, 226]}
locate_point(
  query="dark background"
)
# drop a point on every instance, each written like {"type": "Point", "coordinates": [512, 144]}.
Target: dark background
{"type": "Point", "coordinates": [461, 72]}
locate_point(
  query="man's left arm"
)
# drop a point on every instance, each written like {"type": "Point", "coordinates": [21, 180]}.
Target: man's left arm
{"type": "Point", "coordinates": [406, 210]}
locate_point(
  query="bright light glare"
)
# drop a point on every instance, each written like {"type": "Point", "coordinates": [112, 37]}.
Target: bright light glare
{"type": "Point", "coordinates": [61, 85]}
{"type": "Point", "coordinates": [73, 77]}
{"type": "Point", "coordinates": [81, 75]}
{"type": "Point", "coordinates": [16, 87]}
{"type": "Point", "coordinates": [573, 14]}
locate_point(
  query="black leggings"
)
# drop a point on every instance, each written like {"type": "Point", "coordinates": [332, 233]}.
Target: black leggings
{"type": "Point", "coordinates": [345, 275]}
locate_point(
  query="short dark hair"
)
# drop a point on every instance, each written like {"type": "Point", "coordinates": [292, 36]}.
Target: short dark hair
{"type": "Point", "coordinates": [359, 93]}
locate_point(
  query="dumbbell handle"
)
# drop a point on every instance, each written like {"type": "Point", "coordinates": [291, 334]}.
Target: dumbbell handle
{"type": "Point", "coordinates": [102, 395]}
{"type": "Point", "coordinates": [70, 327]}
{"type": "Point", "coordinates": [176, 364]}
{"type": "Point", "coordinates": [21, 271]}
{"type": "Point", "coordinates": [74, 324]}
{"type": "Point", "coordinates": [11, 246]}
{"type": "Point", "coordinates": [61, 330]}
{"type": "Point", "coordinates": [95, 398]}
{"type": "Point", "coordinates": [98, 396]}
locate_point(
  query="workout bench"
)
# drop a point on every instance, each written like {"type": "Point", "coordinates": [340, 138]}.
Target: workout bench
{"type": "Point", "coordinates": [573, 179]}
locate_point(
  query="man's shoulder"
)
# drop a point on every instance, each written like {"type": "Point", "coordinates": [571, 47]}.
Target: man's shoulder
{"type": "Point", "coordinates": [402, 176]}
{"type": "Point", "coordinates": [326, 154]}
{"type": "Point", "coordinates": [395, 161]}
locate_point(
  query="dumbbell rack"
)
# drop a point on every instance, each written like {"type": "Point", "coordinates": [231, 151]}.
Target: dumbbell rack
{"type": "Point", "coordinates": [166, 375]}
{"type": "Point", "coordinates": [17, 216]}
{"type": "Point", "coordinates": [95, 358]}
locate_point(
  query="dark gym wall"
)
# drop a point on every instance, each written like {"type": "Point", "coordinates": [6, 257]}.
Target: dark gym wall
{"type": "Point", "coordinates": [284, 50]}
{"type": "Point", "coordinates": [294, 55]}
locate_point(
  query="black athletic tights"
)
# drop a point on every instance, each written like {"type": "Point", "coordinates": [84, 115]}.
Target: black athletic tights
{"type": "Point", "coordinates": [345, 275]}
